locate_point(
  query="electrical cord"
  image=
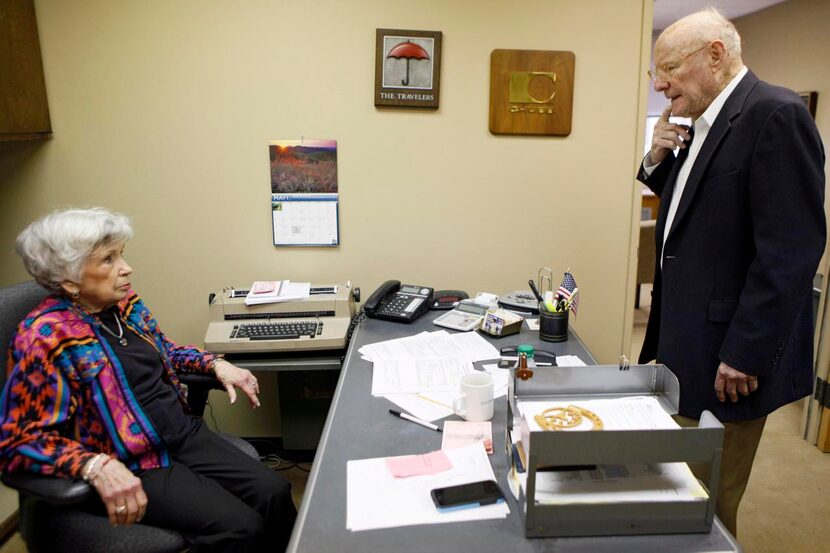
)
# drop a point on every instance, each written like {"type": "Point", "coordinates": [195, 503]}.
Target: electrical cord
{"type": "Point", "coordinates": [212, 417]}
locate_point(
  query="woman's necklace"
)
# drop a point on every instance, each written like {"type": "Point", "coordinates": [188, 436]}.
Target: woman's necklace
{"type": "Point", "coordinates": [120, 335]}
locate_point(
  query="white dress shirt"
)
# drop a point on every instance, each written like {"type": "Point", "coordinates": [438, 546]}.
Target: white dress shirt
{"type": "Point", "coordinates": [701, 129]}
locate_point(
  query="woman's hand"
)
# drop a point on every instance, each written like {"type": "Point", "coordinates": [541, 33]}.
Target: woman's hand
{"type": "Point", "coordinates": [121, 492]}
{"type": "Point", "coordinates": [233, 377]}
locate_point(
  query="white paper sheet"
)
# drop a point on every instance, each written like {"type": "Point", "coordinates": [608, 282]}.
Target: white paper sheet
{"type": "Point", "coordinates": [474, 347]}
{"type": "Point", "coordinates": [285, 291]}
{"type": "Point", "coordinates": [425, 344]}
{"type": "Point", "coordinates": [375, 499]}
{"type": "Point", "coordinates": [429, 407]}
{"type": "Point", "coordinates": [569, 361]}
{"type": "Point", "coordinates": [435, 405]}
{"type": "Point", "coordinates": [413, 375]}
{"type": "Point", "coordinates": [652, 482]}
{"type": "Point", "coordinates": [629, 413]}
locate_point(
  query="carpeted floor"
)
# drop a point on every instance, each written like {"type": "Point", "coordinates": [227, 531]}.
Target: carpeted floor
{"type": "Point", "coordinates": [784, 509]}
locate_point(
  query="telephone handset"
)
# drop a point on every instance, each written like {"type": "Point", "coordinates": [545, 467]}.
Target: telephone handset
{"type": "Point", "coordinates": [398, 302]}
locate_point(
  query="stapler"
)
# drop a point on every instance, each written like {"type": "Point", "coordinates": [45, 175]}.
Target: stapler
{"type": "Point", "coordinates": [542, 358]}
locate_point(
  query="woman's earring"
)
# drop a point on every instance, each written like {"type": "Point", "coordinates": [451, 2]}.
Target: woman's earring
{"type": "Point", "coordinates": [76, 295]}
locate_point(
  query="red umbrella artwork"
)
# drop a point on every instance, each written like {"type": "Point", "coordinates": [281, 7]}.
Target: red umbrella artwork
{"type": "Point", "coordinates": [408, 51]}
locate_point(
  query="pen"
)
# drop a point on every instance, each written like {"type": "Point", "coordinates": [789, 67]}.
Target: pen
{"type": "Point", "coordinates": [535, 291]}
{"type": "Point", "coordinates": [571, 299]}
{"type": "Point", "coordinates": [410, 418]}
{"type": "Point", "coordinates": [422, 396]}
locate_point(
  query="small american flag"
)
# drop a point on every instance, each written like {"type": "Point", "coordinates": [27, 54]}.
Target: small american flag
{"type": "Point", "coordinates": [566, 291]}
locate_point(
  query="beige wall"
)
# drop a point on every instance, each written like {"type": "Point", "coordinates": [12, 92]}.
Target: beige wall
{"type": "Point", "coordinates": [788, 45]}
{"type": "Point", "coordinates": [163, 110]}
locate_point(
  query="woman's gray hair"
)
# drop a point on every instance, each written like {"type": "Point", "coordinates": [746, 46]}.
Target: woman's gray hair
{"type": "Point", "coordinates": [55, 247]}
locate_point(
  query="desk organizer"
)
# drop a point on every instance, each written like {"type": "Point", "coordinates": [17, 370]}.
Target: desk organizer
{"type": "Point", "coordinates": [501, 323]}
{"type": "Point", "coordinates": [560, 448]}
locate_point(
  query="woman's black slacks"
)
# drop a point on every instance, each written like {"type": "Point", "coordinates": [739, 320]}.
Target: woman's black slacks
{"type": "Point", "coordinates": [219, 498]}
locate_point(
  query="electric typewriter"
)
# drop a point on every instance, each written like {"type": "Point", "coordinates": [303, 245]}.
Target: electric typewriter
{"type": "Point", "coordinates": [319, 322]}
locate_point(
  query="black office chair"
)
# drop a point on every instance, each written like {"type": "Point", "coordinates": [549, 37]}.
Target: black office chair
{"type": "Point", "coordinates": [48, 520]}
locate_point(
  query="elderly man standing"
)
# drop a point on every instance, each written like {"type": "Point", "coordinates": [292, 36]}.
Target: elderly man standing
{"type": "Point", "coordinates": [739, 235]}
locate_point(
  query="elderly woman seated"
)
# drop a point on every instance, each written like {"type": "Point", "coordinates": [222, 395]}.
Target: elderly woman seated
{"type": "Point", "coordinates": [93, 393]}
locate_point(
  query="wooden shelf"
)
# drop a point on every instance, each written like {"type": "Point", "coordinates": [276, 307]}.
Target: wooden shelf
{"type": "Point", "coordinates": [24, 111]}
{"type": "Point", "coordinates": [21, 136]}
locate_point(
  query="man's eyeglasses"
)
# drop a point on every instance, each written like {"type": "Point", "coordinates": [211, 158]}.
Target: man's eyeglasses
{"type": "Point", "coordinates": [666, 70]}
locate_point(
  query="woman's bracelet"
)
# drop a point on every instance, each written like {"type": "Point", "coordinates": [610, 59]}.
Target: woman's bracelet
{"type": "Point", "coordinates": [90, 465]}
{"type": "Point", "coordinates": [89, 476]}
{"type": "Point", "coordinates": [106, 460]}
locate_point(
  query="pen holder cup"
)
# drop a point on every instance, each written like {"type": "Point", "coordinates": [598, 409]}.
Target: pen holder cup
{"type": "Point", "coordinates": [553, 326]}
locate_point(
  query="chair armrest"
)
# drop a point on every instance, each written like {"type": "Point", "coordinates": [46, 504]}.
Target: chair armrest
{"type": "Point", "coordinates": [52, 489]}
{"type": "Point", "coordinates": [200, 380]}
{"type": "Point", "coordinates": [198, 387]}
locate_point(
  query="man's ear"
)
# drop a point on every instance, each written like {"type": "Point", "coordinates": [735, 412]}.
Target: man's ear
{"type": "Point", "coordinates": [717, 54]}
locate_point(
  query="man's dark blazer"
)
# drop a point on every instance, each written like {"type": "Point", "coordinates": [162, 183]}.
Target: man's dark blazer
{"type": "Point", "coordinates": [737, 272]}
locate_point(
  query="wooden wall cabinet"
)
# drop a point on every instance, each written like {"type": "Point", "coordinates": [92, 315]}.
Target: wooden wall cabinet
{"type": "Point", "coordinates": [24, 111]}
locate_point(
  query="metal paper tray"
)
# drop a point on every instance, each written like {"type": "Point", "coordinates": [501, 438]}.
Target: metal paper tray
{"type": "Point", "coordinates": [600, 382]}
{"type": "Point", "coordinates": [702, 444]}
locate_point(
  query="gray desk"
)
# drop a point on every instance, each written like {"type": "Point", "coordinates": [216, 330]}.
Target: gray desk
{"type": "Point", "coordinates": [359, 426]}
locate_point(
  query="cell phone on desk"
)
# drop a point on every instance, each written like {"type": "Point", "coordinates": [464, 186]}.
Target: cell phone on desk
{"type": "Point", "coordinates": [464, 496]}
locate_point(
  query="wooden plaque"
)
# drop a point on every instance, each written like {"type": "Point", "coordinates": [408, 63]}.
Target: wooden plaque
{"type": "Point", "coordinates": [531, 92]}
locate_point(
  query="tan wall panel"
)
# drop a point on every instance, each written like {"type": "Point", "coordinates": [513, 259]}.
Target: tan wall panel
{"type": "Point", "coordinates": [163, 110]}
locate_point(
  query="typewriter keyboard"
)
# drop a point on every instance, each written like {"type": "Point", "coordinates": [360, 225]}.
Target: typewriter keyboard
{"type": "Point", "coordinates": [277, 331]}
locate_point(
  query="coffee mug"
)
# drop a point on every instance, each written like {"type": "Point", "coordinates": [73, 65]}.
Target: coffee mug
{"type": "Point", "coordinates": [475, 402]}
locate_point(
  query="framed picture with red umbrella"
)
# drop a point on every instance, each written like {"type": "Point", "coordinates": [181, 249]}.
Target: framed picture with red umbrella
{"type": "Point", "coordinates": [407, 68]}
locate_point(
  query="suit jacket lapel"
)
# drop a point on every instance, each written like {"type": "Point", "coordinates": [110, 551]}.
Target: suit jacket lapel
{"type": "Point", "coordinates": [723, 123]}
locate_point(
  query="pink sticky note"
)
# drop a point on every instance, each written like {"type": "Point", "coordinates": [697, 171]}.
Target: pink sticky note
{"type": "Point", "coordinates": [416, 465]}
{"type": "Point", "coordinates": [262, 287]}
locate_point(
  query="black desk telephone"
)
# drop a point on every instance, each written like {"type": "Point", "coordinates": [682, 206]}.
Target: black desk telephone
{"type": "Point", "coordinates": [393, 301]}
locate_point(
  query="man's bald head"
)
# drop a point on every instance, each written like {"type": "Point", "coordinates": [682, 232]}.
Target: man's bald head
{"type": "Point", "coordinates": [695, 59]}
{"type": "Point", "coordinates": [703, 27]}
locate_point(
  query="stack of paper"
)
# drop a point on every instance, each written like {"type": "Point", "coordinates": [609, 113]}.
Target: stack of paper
{"type": "Point", "coordinates": [411, 376]}
{"type": "Point", "coordinates": [273, 291]}
{"type": "Point", "coordinates": [628, 413]}
{"type": "Point", "coordinates": [639, 482]}
{"type": "Point", "coordinates": [614, 483]}
{"type": "Point", "coordinates": [420, 373]}
{"type": "Point", "coordinates": [377, 499]}
{"type": "Point", "coordinates": [440, 343]}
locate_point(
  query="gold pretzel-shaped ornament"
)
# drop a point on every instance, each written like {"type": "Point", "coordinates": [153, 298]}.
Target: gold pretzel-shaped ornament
{"type": "Point", "coordinates": [563, 418]}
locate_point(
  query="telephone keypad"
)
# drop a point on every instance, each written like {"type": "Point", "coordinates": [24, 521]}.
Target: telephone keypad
{"type": "Point", "coordinates": [401, 304]}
